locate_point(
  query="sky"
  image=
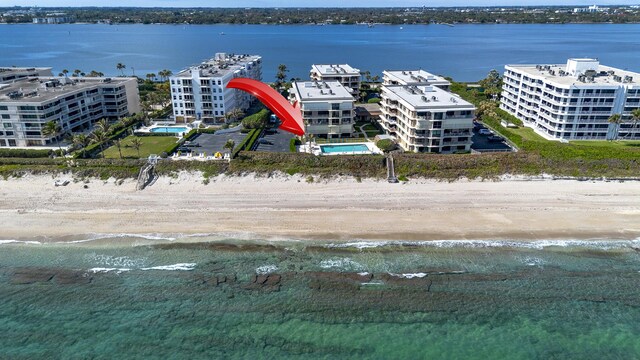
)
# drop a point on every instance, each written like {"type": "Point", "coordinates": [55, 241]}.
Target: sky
{"type": "Point", "coordinates": [305, 3]}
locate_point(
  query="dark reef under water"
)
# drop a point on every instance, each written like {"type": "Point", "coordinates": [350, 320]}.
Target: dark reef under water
{"type": "Point", "coordinates": [299, 300]}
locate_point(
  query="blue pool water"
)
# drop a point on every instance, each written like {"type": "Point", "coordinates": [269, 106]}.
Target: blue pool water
{"type": "Point", "coordinates": [169, 129]}
{"type": "Point", "coordinates": [344, 148]}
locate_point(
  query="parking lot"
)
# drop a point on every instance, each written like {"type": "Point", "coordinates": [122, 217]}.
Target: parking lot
{"type": "Point", "coordinates": [212, 143]}
{"type": "Point", "coordinates": [482, 142]}
{"type": "Point", "coordinates": [274, 140]}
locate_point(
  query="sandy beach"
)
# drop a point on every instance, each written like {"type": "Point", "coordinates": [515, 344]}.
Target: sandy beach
{"type": "Point", "coordinates": [342, 209]}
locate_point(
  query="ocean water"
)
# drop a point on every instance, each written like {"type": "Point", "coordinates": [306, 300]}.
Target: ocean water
{"type": "Point", "coordinates": [156, 297]}
{"type": "Point", "coordinates": [464, 52]}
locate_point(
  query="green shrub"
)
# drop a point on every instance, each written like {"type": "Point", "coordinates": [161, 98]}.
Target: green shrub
{"type": "Point", "coordinates": [386, 145]}
{"type": "Point", "coordinates": [293, 143]}
{"type": "Point", "coordinates": [373, 101]}
{"type": "Point", "coordinates": [257, 120]}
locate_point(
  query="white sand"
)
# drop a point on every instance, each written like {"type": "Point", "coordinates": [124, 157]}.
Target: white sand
{"type": "Point", "coordinates": [343, 209]}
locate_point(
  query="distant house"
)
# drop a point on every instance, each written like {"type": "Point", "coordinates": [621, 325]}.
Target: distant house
{"type": "Point", "coordinates": [414, 77]}
{"type": "Point", "coordinates": [346, 75]}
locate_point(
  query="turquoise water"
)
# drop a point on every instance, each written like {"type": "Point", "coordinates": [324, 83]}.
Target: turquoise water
{"type": "Point", "coordinates": [450, 51]}
{"type": "Point", "coordinates": [169, 129]}
{"type": "Point", "coordinates": [344, 148]}
{"type": "Point", "coordinates": [292, 299]}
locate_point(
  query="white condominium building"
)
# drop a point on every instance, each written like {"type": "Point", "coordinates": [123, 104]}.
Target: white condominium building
{"type": "Point", "coordinates": [15, 73]}
{"type": "Point", "coordinates": [414, 77]}
{"type": "Point", "coordinates": [425, 118]}
{"type": "Point", "coordinates": [345, 74]}
{"type": "Point", "coordinates": [76, 104]}
{"type": "Point", "coordinates": [572, 101]}
{"type": "Point", "coordinates": [200, 92]}
{"type": "Point", "coordinates": [327, 108]}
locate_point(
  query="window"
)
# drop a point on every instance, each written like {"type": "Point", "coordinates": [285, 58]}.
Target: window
{"type": "Point", "coordinates": [7, 125]}
{"type": "Point", "coordinates": [5, 116]}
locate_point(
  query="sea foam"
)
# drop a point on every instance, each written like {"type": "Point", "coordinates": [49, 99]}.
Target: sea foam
{"type": "Point", "coordinates": [181, 266]}
{"type": "Point", "coordinates": [538, 245]}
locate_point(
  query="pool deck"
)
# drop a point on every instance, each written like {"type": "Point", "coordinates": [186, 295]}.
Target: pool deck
{"type": "Point", "coordinates": [148, 129]}
{"type": "Point", "coordinates": [316, 149]}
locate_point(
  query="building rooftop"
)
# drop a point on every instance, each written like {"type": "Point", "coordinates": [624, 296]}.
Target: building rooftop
{"type": "Point", "coordinates": [40, 89]}
{"type": "Point", "coordinates": [13, 72]}
{"type": "Point", "coordinates": [581, 73]}
{"type": "Point", "coordinates": [220, 65]}
{"type": "Point", "coordinates": [426, 97]}
{"type": "Point", "coordinates": [415, 77]}
{"type": "Point", "coordinates": [328, 69]}
{"type": "Point", "coordinates": [321, 91]}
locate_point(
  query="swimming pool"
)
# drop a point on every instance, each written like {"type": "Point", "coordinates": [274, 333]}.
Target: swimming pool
{"type": "Point", "coordinates": [345, 149]}
{"type": "Point", "coordinates": [169, 129]}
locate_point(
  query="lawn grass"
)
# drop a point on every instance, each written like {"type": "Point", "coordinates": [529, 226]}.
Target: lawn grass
{"type": "Point", "coordinates": [150, 145]}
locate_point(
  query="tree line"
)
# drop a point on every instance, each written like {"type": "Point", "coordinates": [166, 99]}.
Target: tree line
{"type": "Point", "coordinates": [550, 14]}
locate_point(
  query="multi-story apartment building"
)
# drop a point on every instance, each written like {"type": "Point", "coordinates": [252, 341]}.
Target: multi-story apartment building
{"type": "Point", "coordinates": [572, 101]}
{"type": "Point", "coordinates": [14, 73]}
{"type": "Point", "coordinates": [414, 77]}
{"type": "Point", "coordinates": [344, 74]}
{"type": "Point", "coordinates": [200, 92]}
{"type": "Point", "coordinates": [327, 108]}
{"type": "Point", "coordinates": [425, 118]}
{"type": "Point", "coordinates": [76, 104]}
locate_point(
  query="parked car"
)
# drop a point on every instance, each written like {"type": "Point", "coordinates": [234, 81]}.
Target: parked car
{"type": "Point", "coordinates": [191, 144]}
{"type": "Point", "coordinates": [184, 149]}
{"type": "Point", "coordinates": [485, 131]}
{"type": "Point", "coordinates": [264, 141]}
{"type": "Point", "coordinates": [495, 138]}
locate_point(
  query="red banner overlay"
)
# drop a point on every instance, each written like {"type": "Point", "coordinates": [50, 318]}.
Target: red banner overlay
{"type": "Point", "coordinates": [290, 115]}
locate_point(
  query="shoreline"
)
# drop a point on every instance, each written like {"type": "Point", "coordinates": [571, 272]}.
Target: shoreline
{"type": "Point", "coordinates": [340, 210]}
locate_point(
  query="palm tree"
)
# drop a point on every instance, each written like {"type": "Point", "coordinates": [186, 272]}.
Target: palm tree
{"type": "Point", "coordinates": [136, 143]}
{"type": "Point", "coordinates": [65, 72]}
{"type": "Point", "coordinates": [635, 117]}
{"type": "Point", "coordinates": [121, 67]}
{"type": "Point", "coordinates": [615, 119]}
{"type": "Point", "coordinates": [80, 141]}
{"type": "Point", "coordinates": [281, 75]}
{"type": "Point", "coordinates": [164, 74]}
{"type": "Point", "coordinates": [230, 144]}
{"type": "Point", "coordinates": [52, 129]}
{"type": "Point", "coordinates": [103, 125]}
{"type": "Point", "coordinates": [119, 146]}
{"type": "Point", "coordinates": [77, 72]}
{"type": "Point", "coordinates": [99, 137]}
{"type": "Point", "coordinates": [151, 76]}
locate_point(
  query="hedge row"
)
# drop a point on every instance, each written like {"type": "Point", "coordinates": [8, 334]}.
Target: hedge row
{"type": "Point", "coordinates": [247, 143]}
{"type": "Point", "coordinates": [25, 153]}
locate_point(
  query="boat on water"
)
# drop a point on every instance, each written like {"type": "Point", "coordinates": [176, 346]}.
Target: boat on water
{"type": "Point", "coordinates": [222, 33]}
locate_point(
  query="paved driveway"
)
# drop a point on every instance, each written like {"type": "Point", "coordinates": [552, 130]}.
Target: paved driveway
{"type": "Point", "coordinates": [212, 143]}
{"type": "Point", "coordinates": [278, 141]}
{"type": "Point", "coordinates": [480, 142]}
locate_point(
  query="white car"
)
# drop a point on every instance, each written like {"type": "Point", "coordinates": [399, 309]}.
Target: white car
{"type": "Point", "coordinates": [485, 132]}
